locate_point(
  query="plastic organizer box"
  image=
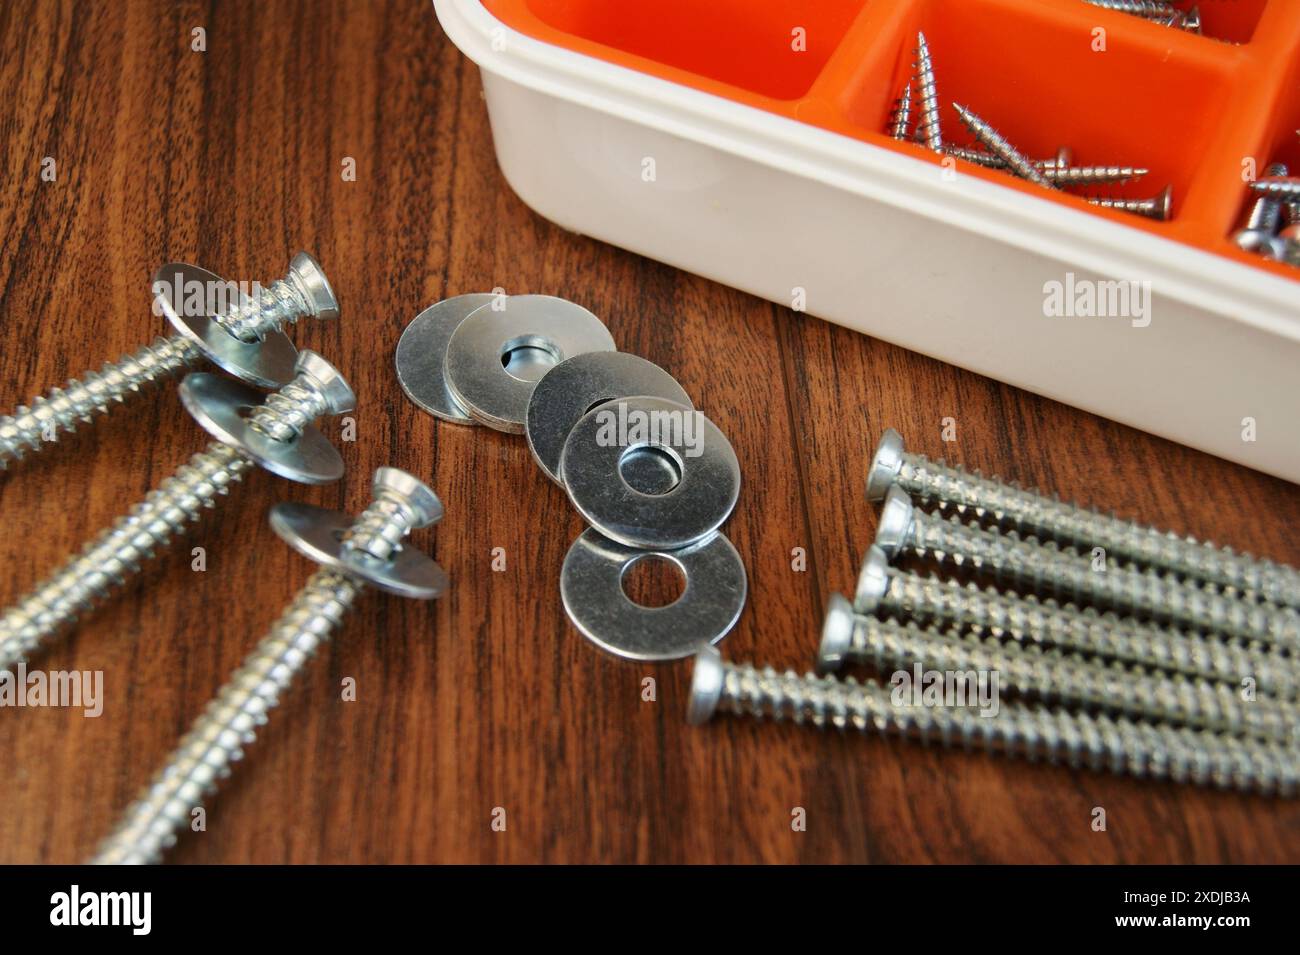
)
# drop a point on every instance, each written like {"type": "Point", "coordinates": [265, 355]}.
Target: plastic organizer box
{"type": "Point", "coordinates": [746, 141]}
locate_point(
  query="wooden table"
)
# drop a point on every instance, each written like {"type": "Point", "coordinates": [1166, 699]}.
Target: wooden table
{"type": "Point", "coordinates": [232, 158]}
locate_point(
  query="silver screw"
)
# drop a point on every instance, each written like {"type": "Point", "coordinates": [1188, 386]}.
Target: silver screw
{"type": "Point", "coordinates": [928, 599]}
{"type": "Point", "coordinates": [1148, 9]}
{"type": "Point", "coordinates": [1160, 207]}
{"type": "Point", "coordinates": [1260, 235]}
{"type": "Point", "coordinates": [280, 440]}
{"type": "Point", "coordinates": [1052, 676]}
{"type": "Point", "coordinates": [928, 124]}
{"type": "Point", "coordinates": [993, 141]}
{"type": "Point", "coordinates": [901, 120]}
{"type": "Point", "coordinates": [217, 739]}
{"type": "Point", "coordinates": [953, 489]}
{"type": "Point", "coordinates": [1064, 573]}
{"type": "Point", "coordinates": [1060, 175]}
{"type": "Point", "coordinates": [1033, 730]}
{"type": "Point", "coordinates": [304, 291]}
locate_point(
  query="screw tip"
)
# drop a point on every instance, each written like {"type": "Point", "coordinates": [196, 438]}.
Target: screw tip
{"type": "Point", "coordinates": [706, 686]}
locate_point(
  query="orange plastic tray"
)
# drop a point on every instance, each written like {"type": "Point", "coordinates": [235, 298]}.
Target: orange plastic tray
{"type": "Point", "coordinates": [1199, 111]}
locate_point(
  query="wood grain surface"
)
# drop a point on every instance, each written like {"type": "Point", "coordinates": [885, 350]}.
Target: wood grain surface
{"type": "Point", "coordinates": [231, 158]}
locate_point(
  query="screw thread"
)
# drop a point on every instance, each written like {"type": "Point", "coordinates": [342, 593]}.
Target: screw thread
{"type": "Point", "coordinates": [1057, 677]}
{"type": "Point", "coordinates": [217, 738]}
{"type": "Point", "coordinates": [1044, 567]}
{"type": "Point", "coordinates": [1091, 175]}
{"type": "Point", "coordinates": [1266, 214]}
{"type": "Point", "coordinates": [285, 414]}
{"type": "Point", "coordinates": [62, 410]}
{"type": "Point", "coordinates": [953, 489]}
{"type": "Point", "coordinates": [1034, 730]}
{"type": "Point", "coordinates": [998, 144]}
{"type": "Point", "coordinates": [900, 126]}
{"type": "Point", "coordinates": [1027, 619]}
{"type": "Point", "coordinates": [928, 124]}
{"type": "Point", "coordinates": [257, 316]}
{"type": "Point", "coordinates": [1150, 9]}
{"type": "Point", "coordinates": [1153, 208]}
{"type": "Point", "coordinates": [116, 554]}
{"type": "Point", "coordinates": [379, 530]}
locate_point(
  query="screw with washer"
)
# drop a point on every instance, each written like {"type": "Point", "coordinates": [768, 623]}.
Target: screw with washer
{"type": "Point", "coordinates": [274, 431]}
{"type": "Point", "coordinates": [245, 340]}
{"type": "Point", "coordinates": [888, 645]}
{"type": "Point", "coordinates": [1064, 573]}
{"type": "Point", "coordinates": [365, 551]}
{"type": "Point", "coordinates": [1033, 730]}
{"type": "Point", "coordinates": [928, 599]}
{"type": "Point", "coordinates": [953, 489]}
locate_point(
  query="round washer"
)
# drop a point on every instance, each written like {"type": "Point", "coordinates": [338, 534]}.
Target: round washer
{"type": "Point", "coordinates": [574, 386]}
{"type": "Point", "coordinates": [318, 533]}
{"type": "Point", "coordinates": [477, 353]}
{"type": "Point", "coordinates": [422, 352]}
{"type": "Point", "coordinates": [267, 364]}
{"type": "Point", "coordinates": [220, 407]}
{"type": "Point", "coordinates": [629, 435]}
{"type": "Point", "coordinates": [591, 585]}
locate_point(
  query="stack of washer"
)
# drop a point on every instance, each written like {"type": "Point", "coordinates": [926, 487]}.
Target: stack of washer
{"type": "Point", "coordinates": [650, 474]}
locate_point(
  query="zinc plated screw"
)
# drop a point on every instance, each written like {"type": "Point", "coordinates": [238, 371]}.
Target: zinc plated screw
{"type": "Point", "coordinates": [1066, 574]}
{"type": "Point", "coordinates": [370, 552]}
{"type": "Point", "coordinates": [928, 123]}
{"type": "Point", "coordinates": [1033, 730]}
{"type": "Point", "coordinates": [928, 599]}
{"type": "Point", "coordinates": [1051, 677]}
{"type": "Point", "coordinates": [1147, 9]}
{"type": "Point", "coordinates": [304, 291]}
{"type": "Point", "coordinates": [901, 123]}
{"type": "Point", "coordinates": [1260, 234]}
{"type": "Point", "coordinates": [1160, 207]}
{"type": "Point", "coordinates": [953, 489]}
{"type": "Point", "coordinates": [997, 144]}
{"type": "Point", "coordinates": [1062, 175]}
{"type": "Point", "coordinates": [275, 433]}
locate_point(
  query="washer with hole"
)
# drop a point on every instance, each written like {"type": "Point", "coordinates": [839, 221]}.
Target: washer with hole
{"type": "Point", "coordinates": [648, 472]}
{"type": "Point", "coordinates": [591, 585]}
{"type": "Point", "coordinates": [422, 352]}
{"type": "Point", "coordinates": [574, 386]}
{"type": "Point", "coordinates": [495, 358]}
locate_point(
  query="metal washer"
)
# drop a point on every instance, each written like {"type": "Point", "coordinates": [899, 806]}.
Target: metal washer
{"type": "Point", "coordinates": [422, 354]}
{"type": "Point", "coordinates": [703, 497]}
{"type": "Point", "coordinates": [591, 585]}
{"type": "Point", "coordinates": [570, 389]}
{"type": "Point", "coordinates": [475, 369]}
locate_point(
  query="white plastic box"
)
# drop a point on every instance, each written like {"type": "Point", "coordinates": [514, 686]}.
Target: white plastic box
{"type": "Point", "coordinates": [953, 262]}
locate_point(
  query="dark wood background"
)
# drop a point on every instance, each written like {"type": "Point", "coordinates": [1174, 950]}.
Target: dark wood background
{"type": "Point", "coordinates": [231, 158]}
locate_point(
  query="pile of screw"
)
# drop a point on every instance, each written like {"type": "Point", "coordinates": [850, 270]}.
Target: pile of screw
{"type": "Point", "coordinates": [1273, 227]}
{"type": "Point", "coordinates": [1126, 648]}
{"type": "Point", "coordinates": [921, 122]}
{"type": "Point", "coordinates": [1165, 14]}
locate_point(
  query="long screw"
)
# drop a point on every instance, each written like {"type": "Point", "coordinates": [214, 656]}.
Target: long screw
{"type": "Point", "coordinates": [997, 144]}
{"type": "Point", "coordinates": [1277, 187]}
{"type": "Point", "coordinates": [889, 645]}
{"type": "Point", "coordinates": [901, 121]}
{"type": "Point", "coordinates": [928, 599]}
{"type": "Point", "coordinates": [955, 490]}
{"type": "Point", "coordinates": [1148, 9]}
{"type": "Point", "coordinates": [1033, 730]}
{"type": "Point", "coordinates": [1159, 207]}
{"type": "Point", "coordinates": [118, 553]}
{"type": "Point", "coordinates": [1261, 232]}
{"type": "Point", "coordinates": [217, 739]}
{"type": "Point", "coordinates": [80, 401]}
{"type": "Point", "coordinates": [1066, 574]}
{"type": "Point", "coordinates": [1067, 175]}
{"type": "Point", "coordinates": [928, 124]}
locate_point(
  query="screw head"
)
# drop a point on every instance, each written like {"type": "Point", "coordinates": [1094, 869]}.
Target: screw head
{"type": "Point", "coordinates": [338, 393]}
{"type": "Point", "coordinates": [1165, 204]}
{"type": "Point", "coordinates": [873, 581]}
{"type": "Point", "coordinates": [413, 491]}
{"type": "Point", "coordinates": [1261, 243]}
{"type": "Point", "coordinates": [309, 278]}
{"type": "Point", "coordinates": [895, 522]}
{"type": "Point", "coordinates": [837, 634]}
{"type": "Point", "coordinates": [706, 686]}
{"type": "Point", "coordinates": [885, 466]}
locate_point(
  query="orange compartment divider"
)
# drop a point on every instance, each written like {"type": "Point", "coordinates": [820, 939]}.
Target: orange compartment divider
{"type": "Point", "coordinates": [1191, 109]}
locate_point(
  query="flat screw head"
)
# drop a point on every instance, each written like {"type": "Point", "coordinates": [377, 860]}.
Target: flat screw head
{"type": "Point", "coordinates": [1260, 242]}
{"type": "Point", "coordinates": [837, 634]}
{"type": "Point", "coordinates": [895, 522]}
{"type": "Point", "coordinates": [338, 393]}
{"type": "Point", "coordinates": [873, 580]}
{"type": "Point", "coordinates": [309, 278]}
{"type": "Point", "coordinates": [413, 491]}
{"type": "Point", "coordinates": [885, 466]}
{"type": "Point", "coordinates": [706, 686]}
